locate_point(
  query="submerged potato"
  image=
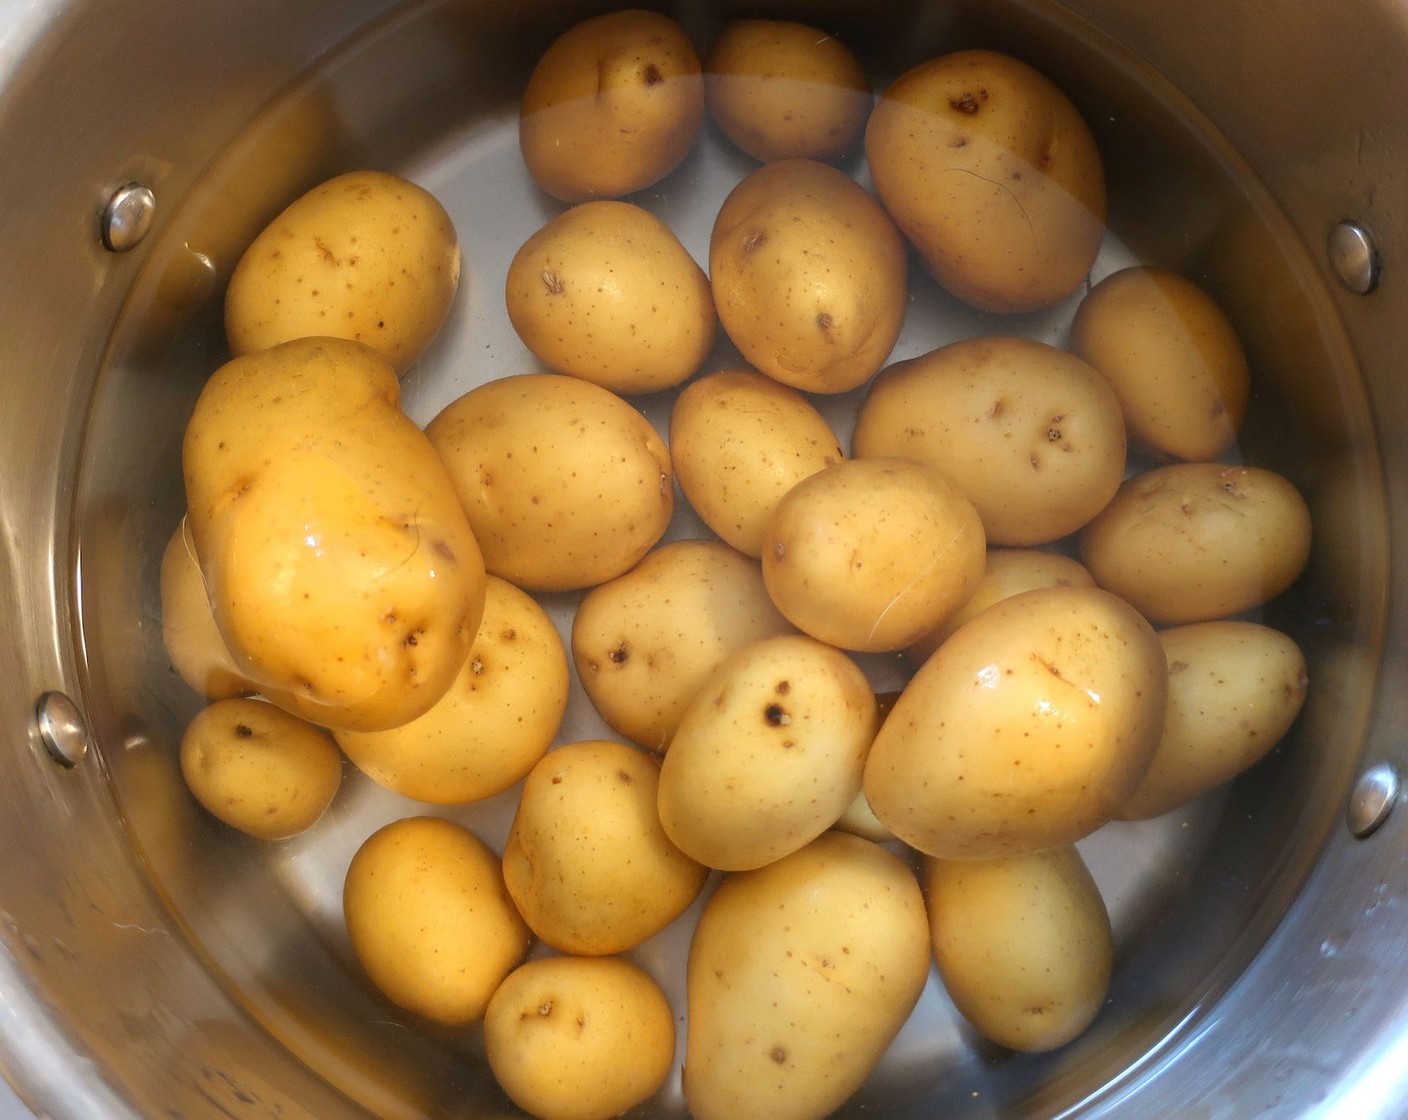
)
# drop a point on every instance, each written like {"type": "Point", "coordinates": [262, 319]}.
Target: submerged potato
{"type": "Point", "coordinates": [188, 630]}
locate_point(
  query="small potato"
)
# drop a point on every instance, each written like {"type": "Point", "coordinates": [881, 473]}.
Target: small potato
{"type": "Point", "coordinates": [1173, 358]}
{"type": "Point", "coordinates": [587, 862]}
{"type": "Point", "coordinates": [1192, 542]}
{"type": "Point", "coordinates": [429, 918]}
{"type": "Point", "coordinates": [645, 642]}
{"type": "Point", "coordinates": [1023, 945]}
{"type": "Point", "coordinates": [1030, 434]}
{"type": "Point", "coordinates": [564, 483]}
{"type": "Point", "coordinates": [366, 256]}
{"type": "Point", "coordinates": [783, 90]}
{"type": "Point", "coordinates": [613, 106]}
{"type": "Point", "coordinates": [809, 276]}
{"type": "Point", "coordinates": [800, 975]}
{"type": "Point", "coordinates": [990, 171]}
{"type": "Point", "coordinates": [739, 442]}
{"type": "Point", "coordinates": [188, 629]}
{"type": "Point", "coordinates": [258, 769]}
{"type": "Point", "coordinates": [871, 553]}
{"type": "Point", "coordinates": [1234, 689]}
{"type": "Point", "coordinates": [1029, 727]}
{"type": "Point", "coordinates": [579, 1038]}
{"type": "Point", "coordinates": [607, 293]}
{"type": "Point", "coordinates": [769, 753]}
{"type": "Point", "coordinates": [496, 720]}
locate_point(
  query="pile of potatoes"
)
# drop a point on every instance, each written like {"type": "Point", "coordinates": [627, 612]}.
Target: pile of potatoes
{"type": "Point", "coordinates": [1056, 541]}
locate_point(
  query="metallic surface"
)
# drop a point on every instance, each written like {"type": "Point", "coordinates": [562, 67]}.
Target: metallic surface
{"type": "Point", "coordinates": [1353, 257]}
{"type": "Point", "coordinates": [61, 728]}
{"type": "Point", "coordinates": [1372, 799]}
{"type": "Point", "coordinates": [127, 218]}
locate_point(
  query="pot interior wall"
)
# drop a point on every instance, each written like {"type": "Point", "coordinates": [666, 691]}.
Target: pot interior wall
{"type": "Point", "coordinates": [431, 93]}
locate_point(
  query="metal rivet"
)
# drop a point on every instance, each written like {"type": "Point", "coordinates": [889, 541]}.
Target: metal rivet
{"type": "Point", "coordinates": [128, 217]}
{"type": "Point", "coordinates": [1373, 799]}
{"type": "Point", "coordinates": [1354, 257]}
{"type": "Point", "coordinates": [62, 728]}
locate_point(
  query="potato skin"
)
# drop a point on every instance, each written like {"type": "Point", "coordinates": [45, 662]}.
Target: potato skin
{"type": "Point", "coordinates": [343, 574]}
{"type": "Point", "coordinates": [613, 105]}
{"type": "Point", "coordinates": [990, 171]}
{"type": "Point", "coordinates": [1023, 944]}
{"type": "Point", "coordinates": [1193, 542]}
{"type": "Point", "coordinates": [188, 628]}
{"type": "Point", "coordinates": [809, 276]}
{"type": "Point", "coordinates": [800, 975]}
{"type": "Point", "coordinates": [606, 292]}
{"type": "Point", "coordinates": [366, 256]}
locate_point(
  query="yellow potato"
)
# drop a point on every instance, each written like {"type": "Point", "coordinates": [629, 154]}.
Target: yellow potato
{"type": "Point", "coordinates": [587, 862]}
{"type": "Point", "coordinates": [1030, 434]}
{"type": "Point", "coordinates": [1029, 727]}
{"type": "Point", "coordinates": [496, 720]}
{"type": "Point", "coordinates": [645, 642]}
{"type": "Point", "coordinates": [259, 769]}
{"type": "Point", "coordinates": [612, 106]}
{"type": "Point", "coordinates": [366, 256]}
{"type": "Point", "coordinates": [768, 754]}
{"type": "Point", "coordinates": [871, 553]}
{"type": "Point", "coordinates": [430, 920]}
{"type": "Point", "coordinates": [607, 293]}
{"type": "Point", "coordinates": [1234, 689]}
{"type": "Point", "coordinates": [783, 90]}
{"type": "Point", "coordinates": [564, 483]}
{"type": "Point", "coordinates": [990, 171]}
{"type": "Point", "coordinates": [739, 442]}
{"type": "Point", "coordinates": [188, 629]}
{"type": "Point", "coordinates": [579, 1038]}
{"type": "Point", "coordinates": [809, 276]}
{"type": "Point", "coordinates": [1173, 358]}
{"type": "Point", "coordinates": [342, 572]}
{"type": "Point", "coordinates": [800, 975]}
{"type": "Point", "coordinates": [1023, 945]}
{"type": "Point", "coordinates": [859, 818]}
{"type": "Point", "coordinates": [1192, 542]}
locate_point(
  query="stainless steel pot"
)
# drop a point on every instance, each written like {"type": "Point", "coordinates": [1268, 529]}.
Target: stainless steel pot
{"type": "Point", "coordinates": [151, 964]}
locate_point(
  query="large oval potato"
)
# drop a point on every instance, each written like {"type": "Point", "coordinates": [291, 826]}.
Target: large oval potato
{"type": "Point", "coordinates": [809, 276]}
{"type": "Point", "coordinates": [1030, 434]}
{"type": "Point", "coordinates": [494, 722]}
{"type": "Point", "coordinates": [366, 256]}
{"type": "Point", "coordinates": [990, 171]}
{"type": "Point", "coordinates": [606, 292]}
{"type": "Point", "coordinates": [342, 572]}
{"type": "Point", "coordinates": [645, 642]}
{"type": "Point", "coordinates": [188, 630]}
{"type": "Point", "coordinates": [564, 483]}
{"type": "Point", "coordinates": [1234, 689]}
{"type": "Point", "coordinates": [1023, 944]}
{"type": "Point", "coordinates": [613, 106]}
{"type": "Point", "coordinates": [1192, 542]}
{"type": "Point", "coordinates": [1030, 727]}
{"type": "Point", "coordinates": [800, 975]}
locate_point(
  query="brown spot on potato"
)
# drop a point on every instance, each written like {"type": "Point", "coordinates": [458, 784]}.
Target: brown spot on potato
{"type": "Point", "coordinates": [965, 103]}
{"type": "Point", "coordinates": [753, 239]}
{"type": "Point", "coordinates": [776, 715]}
{"type": "Point", "coordinates": [243, 731]}
{"type": "Point", "coordinates": [552, 281]}
{"type": "Point", "coordinates": [778, 1054]}
{"type": "Point", "coordinates": [652, 75]}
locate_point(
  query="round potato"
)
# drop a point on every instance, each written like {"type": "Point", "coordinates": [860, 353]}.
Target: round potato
{"type": "Point", "coordinates": [258, 769]}
{"type": "Point", "coordinates": [1193, 542]}
{"type": "Point", "coordinates": [871, 553]}
{"type": "Point", "coordinates": [587, 862]}
{"type": "Point", "coordinates": [564, 483]}
{"type": "Point", "coordinates": [645, 642]}
{"type": "Point", "coordinates": [1234, 689]}
{"type": "Point", "coordinates": [768, 754]}
{"type": "Point", "coordinates": [366, 256]}
{"type": "Point", "coordinates": [579, 1038]}
{"type": "Point", "coordinates": [1030, 434]}
{"type": "Point", "coordinates": [1173, 358]}
{"type": "Point", "coordinates": [188, 629]}
{"type": "Point", "coordinates": [612, 106]}
{"type": "Point", "coordinates": [607, 293]}
{"type": "Point", "coordinates": [1030, 727]}
{"type": "Point", "coordinates": [496, 720]}
{"type": "Point", "coordinates": [739, 442]}
{"type": "Point", "coordinates": [1023, 945]}
{"type": "Point", "coordinates": [429, 918]}
{"type": "Point", "coordinates": [783, 90]}
{"type": "Point", "coordinates": [990, 171]}
{"type": "Point", "coordinates": [809, 276]}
